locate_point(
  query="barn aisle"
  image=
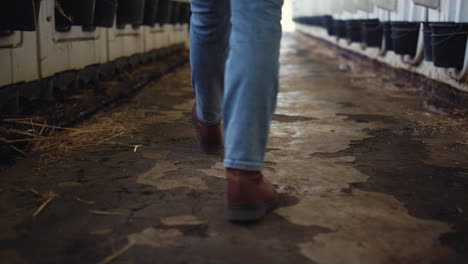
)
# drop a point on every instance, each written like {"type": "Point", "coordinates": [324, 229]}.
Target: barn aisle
{"type": "Point", "coordinates": [370, 170]}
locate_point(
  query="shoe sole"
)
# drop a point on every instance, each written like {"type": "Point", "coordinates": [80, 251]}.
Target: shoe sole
{"type": "Point", "coordinates": [251, 212]}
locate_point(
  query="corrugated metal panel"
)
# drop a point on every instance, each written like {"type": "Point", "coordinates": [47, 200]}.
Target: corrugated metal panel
{"type": "Point", "coordinates": [390, 5]}
{"type": "Point", "coordinates": [350, 6]}
{"type": "Point", "coordinates": [428, 3]}
{"type": "Point", "coordinates": [364, 5]}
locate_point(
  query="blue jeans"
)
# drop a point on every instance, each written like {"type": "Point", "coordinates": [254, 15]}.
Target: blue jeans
{"type": "Point", "coordinates": [234, 47]}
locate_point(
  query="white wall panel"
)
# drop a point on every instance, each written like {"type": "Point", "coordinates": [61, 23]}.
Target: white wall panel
{"type": "Point", "coordinates": [72, 50]}
{"type": "Point", "coordinates": [364, 5]}
{"type": "Point", "coordinates": [124, 42]}
{"type": "Point", "coordinates": [435, 4]}
{"type": "Point", "coordinates": [25, 59]}
{"type": "Point", "coordinates": [18, 58]}
{"type": "Point", "coordinates": [462, 11]}
{"type": "Point", "coordinates": [6, 68]}
{"type": "Point", "coordinates": [390, 5]}
{"type": "Point", "coordinates": [153, 37]}
{"type": "Point", "coordinates": [416, 13]}
{"type": "Point", "coordinates": [382, 14]}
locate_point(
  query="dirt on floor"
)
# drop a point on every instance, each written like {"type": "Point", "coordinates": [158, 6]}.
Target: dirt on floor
{"type": "Point", "coordinates": [369, 170]}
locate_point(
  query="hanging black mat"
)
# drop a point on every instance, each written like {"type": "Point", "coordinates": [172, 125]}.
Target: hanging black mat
{"type": "Point", "coordinates": [104, 15]}
{"type": "Point", "coordinates": [449, 44]}
{"type": "Point", "coordinates": [405, 37]}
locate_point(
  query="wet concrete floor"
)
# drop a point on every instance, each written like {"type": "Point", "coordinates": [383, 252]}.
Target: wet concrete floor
{"type": "Point", "coordinates": [369, 170]}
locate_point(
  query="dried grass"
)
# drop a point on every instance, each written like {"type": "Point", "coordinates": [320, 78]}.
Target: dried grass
{"type": "Point", "coordinates": [49, 196]}
{"type": "Point", "coordinates": [117, 254]}
{"type": "Point", "coordinates": [84, 201]}
{"type": "Point", "coordinates": [55, 141]}
{"type": "Point", "coordinates": [61, 11]}
{"type": "Point", "coordinates": [99, 212]}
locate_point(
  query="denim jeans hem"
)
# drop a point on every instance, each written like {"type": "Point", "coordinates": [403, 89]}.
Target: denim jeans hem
{"type": "Point", "coordinates": [243, 165]}
{"type": "Point", "coordinates": [207, 123]}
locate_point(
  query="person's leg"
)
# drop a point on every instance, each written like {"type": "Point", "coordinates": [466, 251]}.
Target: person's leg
{"type": "Point", "coordinates": [209, 46]}
{"type": "Point", "coordinates": [251, 83]}
{"type": "Point", "coordinates": [249, 102]}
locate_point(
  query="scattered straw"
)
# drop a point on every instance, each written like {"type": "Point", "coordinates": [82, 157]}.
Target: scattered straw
{"type": "Point", "coordinates": [117, 254]}
{"type": "Point", "coordinates": [61, 11]}
{"type": "Point", "coordinates": [25, 122]}
{"type": "Point", "coordinates": [84, 201]}
{"type": "Point", "coordinates": [43, 205]}
{"type": "Point", "coordinates": [98, 212]}
{"type": "Point", "coordinates": [136, 148]}
{"type": "Point", "coordinates": [50, 196]}
{"type": "Point", "coordinates": [45, 195]}
{"type": "Point", "coordinates": [30, 135]}
{"type": "Point", "coordinates": [19, 150]}
{"type": "Point", "coordinates": [101, 231]}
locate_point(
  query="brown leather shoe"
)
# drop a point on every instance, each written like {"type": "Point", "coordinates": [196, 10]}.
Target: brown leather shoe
{"type": "Point", "coordinates": [250, 196]}
{"type": "Point", "coordinates": [209, 137]}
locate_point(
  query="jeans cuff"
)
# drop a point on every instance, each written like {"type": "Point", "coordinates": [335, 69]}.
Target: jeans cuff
{"type": "Point", "coordinates": [207, 123]}
{"type": "Point", "coordinates": [243, 165]}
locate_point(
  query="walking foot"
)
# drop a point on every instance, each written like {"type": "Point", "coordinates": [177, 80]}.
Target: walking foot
{"type": "Point", "coordinates": [209, 137]}
{"type": "Point", "coordinates": [250, 196]}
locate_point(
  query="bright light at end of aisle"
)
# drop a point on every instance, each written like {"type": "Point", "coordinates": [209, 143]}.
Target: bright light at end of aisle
{"type": "Point", "coordinates": [286, 21]}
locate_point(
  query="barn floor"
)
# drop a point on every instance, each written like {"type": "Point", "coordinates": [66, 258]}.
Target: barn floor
{"type": "Point", "coordinates": [369, 171]}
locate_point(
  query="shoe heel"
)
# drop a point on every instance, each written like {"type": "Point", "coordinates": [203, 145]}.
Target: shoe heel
{"type": "Point", "coordinates": [245, 213]}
